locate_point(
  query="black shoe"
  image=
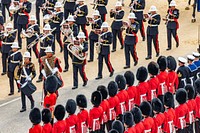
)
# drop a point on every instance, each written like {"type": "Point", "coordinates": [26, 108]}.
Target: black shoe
{"type": "Point", "coordinates": [143, 38]}
{"type": "Point", "coordinates": [85, 83]}
{"type": "Point", "coordinates": [90, 60]}
{"type": "Point", "coordinates": [65, 70]}
{"type": "Point", "coordinates": [113, 50]}
{"type": "Point", "coordinates": [126, 67]}
{"type": "Point", "coordinates": [168, 49]}
{"type": "Point", "coordinates": [122, 47]}
{"type": "Point", "coordinates": [22, 110]}
{"type": "Point", "coordinates": [136, 62]}
{"type": "Point", "coordinates": [61, 49]}
{"type": "Point", "coordinates": [75, 87]}
{"type": "Point", "coordinates": [157, 54]}
{"type": "Point", "coordinates": [148, 57]}
{"type": "Point", "coordinates": [99, 77]}
{"type": "Point", "coordinates": [18, 90]}
{"type": "Point", "coordinates": [111, 73]}
{"type": "Point", "coordinates": [177, 45]}
{"type": "Point", "coordinates": [32, 105]}
{"type": "Point", "coordinates": [3, 73]}
{"type": "Point", "coordinates": [10, 94]}
{"type": "Point", "coordinates": [11, 18]}
{"type": "Point", "coordinates": [39, 80]}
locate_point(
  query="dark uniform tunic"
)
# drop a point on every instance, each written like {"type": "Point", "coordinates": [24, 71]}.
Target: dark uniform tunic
{"type": "Point", "coordinates": [69, 7]}
{"type": "Point", "coordinates": [192, 72]}
{"type": "Point", "coordinates": [5, 5]}
{"type": "Point", "coordinates": [183, 76]}
{"type": "Point", "coordinates": [101, 7]}
{"type": "Point", "coordinates": [49, 7]}
{"type": "Point", "coordinates": [38, 4]}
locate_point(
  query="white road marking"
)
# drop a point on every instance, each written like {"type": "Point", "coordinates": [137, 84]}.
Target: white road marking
{"type": "Point", "coordinates": [4, 104]}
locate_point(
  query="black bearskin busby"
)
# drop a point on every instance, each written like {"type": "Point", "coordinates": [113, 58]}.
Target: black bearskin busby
{"type": "Point", "coordinates": [157, 105]}
{"type": "Point", "coordinates": [162, 62]}
{"type": "Point", "coordinates": [70, 106]}
{"type": "Point", "coordinates": [130, 79]}
{"type": "Point", "coordinates": [169, 100]}
{"type": "Point", "coordinates": [117, 125]}
{"type": "Point", "coordinates": [128, 119]}
{"type": "Point", "coordinates": [181, 96]}
{"type": "Point", "coordinates": [190, 91]}
{"type": "Point", "coordinates": [51, 84]}
{"type": "Point", "coordinates": [103, 90]}
{"type": "Point", "coordinates": [137, 114]}
{"type": "Point", "coordinates": [146, 108]}
{"type": "Point", "coordinates": [141, 74]}
{"type": "Point", "coordinates": [59, 112]}
{"type": "Point", "coordinates": [113, 131]}
{"type": "Point", "coordinates": [96, 98]}
{"type": "Point", "coordinates": [35, 116]}
{"type": "Point", "coordinates": [121, 82]}
{"type": "Point", "coordinates": [171, 63]}
{"type": "Point", "coordinates": [112, 88]}
{"type": "Point", "coordinates": [153, 68]}
{"type": "Point", "coordinates": [197, 85]}
{"type": "Point", "coordinates": [46, 115]}
{"type": "Point", "coordinates": [81, 101]}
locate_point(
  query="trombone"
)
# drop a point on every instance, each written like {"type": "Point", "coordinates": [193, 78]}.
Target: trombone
{"type": "Point", "coordinates": [6, 33]}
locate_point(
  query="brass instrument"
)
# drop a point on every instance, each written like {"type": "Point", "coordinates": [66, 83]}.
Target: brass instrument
{"type": "Point", "coordinates": [15, 6]}
{"type": "Point", "coordinates": [95, 4]}
{"type": "Point", "coordinates": [125, 24]}
{"type": "Point", "coordinates": [147, 16]}
{"type": "Point", "coordinates": [6, 33]}
{"type": "Point", "coordinates": [28, 33]}
{"type": "Point", "coordinates": [132, 4]}
{"type": "Point", "coordinates": [67, 31]}
{"type": "Point", "coordinates": [43, 36]}
{"type": "Point", "coordinates": [98, 43]}
{"type": "Point", "coordinates": [74, 49]}
{"type": "Point", "coordinates": [34, 42]}
{"type": "Point", "coordinates": [76, 12]}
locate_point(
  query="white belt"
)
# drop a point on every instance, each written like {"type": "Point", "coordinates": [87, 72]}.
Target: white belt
{"type": "Point", "coordinates": [94, 123]}
{"type": "Point", "coordinates": [42, 47]}
{"type": "Point", "coordinates": [130, 103]}
{"type": "Point", "coordinates": [100, 5]}
{"type": "Point", "coordinates": [7, 43]}
{"type": "Point", "coordinates": [70, 128]}
{"type": "Point", "coordinates": [14, 61]}
{"type": "Point", "coordinates": [171, 20]}
{"type": "Point", "coordinates": [147, 131]}
{"type": "Point", "coordinates": [130, 34]}
{"type": "Point", "coordinates": [118, 20]}
{"type": "Point", "coordinates": [56, 21]}
{"type": "Point", "coordinates": [21, 14]}
{"type": "Point", "coordinates": [182, 122]}
{"type": "Point", "coordinates": [170, 126]}
{"type": "Point", "coordinates": [138, 10]}
{"type": "Point", "coordinates": [152, 25]}
{"type": "Point", "coordinates": [122, 104]}
{"type": "Point", "coordinates": [50, 7]}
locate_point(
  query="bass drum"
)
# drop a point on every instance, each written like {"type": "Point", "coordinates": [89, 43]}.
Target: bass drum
{"type": "Point", "coordinates": [28, 88]}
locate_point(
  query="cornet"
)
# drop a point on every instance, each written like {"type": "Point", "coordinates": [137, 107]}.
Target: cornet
{"type": "Point", "coordinates": [6, 33]}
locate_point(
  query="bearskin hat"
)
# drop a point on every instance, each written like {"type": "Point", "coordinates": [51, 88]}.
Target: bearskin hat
{"type": "Point", "coordinates": [103, 90]}
{"type": "Point", "coordinates": [81, 101]}
{"type": "Point", "coordinates": [130, 79]}
{"type": "Point", "coordinates": [121, 82]}
{"type": "Point", "coordinates": [146, 108]}
{"type": "Point", "coordinates": [141, 74]}
{"type": "Point", "coordinates": [169, 100]}
{"type": "Point", "coordinates": [70, 106]}
{"type": "Point", "coordinates": [181, 96]}
{"type": "Point", "coordinates": [171, 63]}
{"type": "Point", "coordinates": [117, 125]}
{"type": "Point", "coordinates": [112, 88]}
{"type": "Point", "coordinates": [157, 105]}
{"type": "Point", "coordinates": [197, 85]}
{"type": "Point", "coordinates": [137, 114]}
{"type": "Point", "coordinates": [35, 116]}
{"type": "Point", "coordinates": [153, 68]}
{"type": "Point", "coordinates": [46, 115]}
{"type": "Point", "coordinates": [59, 112]}
{"type": "Point", "coordinates": [51, 84]}
{"type": "Point", "coordinates": [113, 131]}
{"type": "Point", "coordinates": [190, 91]}
{"type": "Point", "coordinates": [128, 119]}
{"type": "Point", "coordinates": [162, 62]}
{"type": "Point", "coordinates": [96, 98]}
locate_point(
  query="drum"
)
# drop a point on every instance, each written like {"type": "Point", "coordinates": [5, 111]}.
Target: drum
{"type": "Point", "coordinates": [60, 82]}
{"type": "Point", "coordinates": [28, 88]}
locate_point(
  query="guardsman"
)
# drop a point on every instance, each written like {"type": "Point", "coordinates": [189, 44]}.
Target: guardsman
{"type": "Point", "coordinates": [94, 34]}
{"type": "Point", "coordinates": [142, 87]}
{"type": "Point", "coordinates": [70, 31]}
{"type": "Point", "coordinates": [83, 115]}
{"type": "Point", "coordinates": [34, 30]}
{"type": "Point", "coordinates": [60, 125]}
{"type": "Point", "coordinates": [172, 24]}
{"type": "Point", "coordinates": [100, 5]}
{"type": "Point", "coordinates": [137, 7]}
{"type": "Point", "coordinates": [7, 40]}
{"type": "Point", "coordinates": [72, 119]}
{"type": "Point", "coordinates": [118, 126]}
{"type": "Point", "coordinates": [46, 119]}
{"type": "Point", "coordinates": [68, 7]}
{"type": "Point", "coordinates": [181, 111]}
{"type": "Point", "coordinates": [14, 59]}
{"type": "Point", "coordinates": [35, 118]}
{"type": "Point", "coordinates": [131, 40]}
{"type": "Point", "coordinates": [152, 32]}
{"type": "Point", "coordinates": [148, 121]}
{"type": "Point", "coordinates": [183, 73]}
{"type": "Point", "coordinates": [39, 4]}
{"type": "Point", "coordinates": [106, 39]}
{"type": "Point", "coordinates": [168, 126]}
{"type": "Point", "coordinates": [50, 66]}
{"type": "Point", "coordinates": [96, 113]}
{"type": "Point", "coordinates": [128, 123]}
{"type": "Point", "coordinates": [197, 63]}
{"type": "Point", "coordinates": [118, 15]}
{"type": "Point", "coordinates": [56, 20]}
{"type": "Point", "coordinates": [137, 117]}
{"type": "Point", "coordinates": [80, 13]}
{"type": "Point", "coordinates": [153, 81]}
{"type": "Point", "coordinates": [22, 20]}
{"type": "Point", "coordinates": [79, 64]}
{"type": "Point", "coordinates": [192, 68]}
{"type": "Point", "coordinates": [5, 5]}
{"type": "Point", "coordinates": [47, 40]}
{"type": "Point", "coordinates": [197, 99]}
{"type": "Point", "coordinates": [172, 78]}
{"type": "Point", "coordinates": [25, 73]}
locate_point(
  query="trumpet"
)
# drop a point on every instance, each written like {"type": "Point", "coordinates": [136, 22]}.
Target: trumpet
{"type": "Point", "coordinates": [33, 42]}
{"type": "Point", "coordinates": [114, 11]}
{"type": "Point", "coordinates": [28, 33]}
{"type": "Point", "coordinates": [125, 24]}
{"type": "Point", "coordinates": [6, 33]}
{"type": "Point", "coordinates": [150, 17]}
{"type": "Point", "coordinates": [14, 7]}
{"type": "Point", "coordinates": [76, 50]}
{"type": "Point", "coordinates": [135, 2]}
{"type": "Point", "coordinates": [95, 4]}
{"type": "Point", "coordinates": [43, 36]}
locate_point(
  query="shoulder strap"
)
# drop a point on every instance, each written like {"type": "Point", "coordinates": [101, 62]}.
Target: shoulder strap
{"type": "Point", "coordinates": [14, 53]}
{"type": "Point", "coordinates": [25, 72]}
{"type": "Point", "coordinates": [48, 65]}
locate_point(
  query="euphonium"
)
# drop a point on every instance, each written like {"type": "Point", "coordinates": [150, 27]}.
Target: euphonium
{"type": "Point", "coordinates": [74, 49]}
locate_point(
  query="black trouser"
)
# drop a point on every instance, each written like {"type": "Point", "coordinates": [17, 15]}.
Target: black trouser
{"type": "Point", "coordinates": [170, 33]}
{"type": "Point", "coordinates": [38, 15]}
{"type": "Point", "coordinates": [83, 28]}
{"type": "Point", "coordinates": [81, 69]}
{"type": "Point", "coordinates": [57, 37]}
{"type": "Point", "coordinates": [194, 8]}
{"type": "Point", "coordinates": [153, 38]}
{"type": "Point", "coordinates": [23, 99]}
{"type": "Point", "coordinates": [141, 26]}
{"type": "Point", "coordinates": [130, 49]}
{"type": "Point", "coordinates": [11, 81]}
{"type": "Point", "coordinates": [66, 56]}
{"type": "Point", "coordinates": [19, 28]}
{"type": "Point", "coordinates": [197, 125]}
{"type": "Point", "coordinates": [117, 33]}
{"type": "Point", "coordinates": [35, 50]}
{"type": "Point", "coordinates": [161, 97]}
{"type": "Point", "coordinates": [67, 12]}
{"type": "Point", "coordinates": [4, 61]}
{"type": "Point", "coordinates": [181, 131]}
{"type": "Point", "coordinates": [15, 20]}
{"type": "Point", "coordinates": [97, 131]}
{"type": "Point", "coordinates": [103, 128]}
{"type": "Point", "coordinates": [107, 61]}
{"type": "Point", "coordinates": [190, 128]}
{"type": "Point", "coordinates": [4, 7]}
{"type": "Point", "coordinates": [120, 117]}
{"type": "Point", "coordinates": [103, 17]}
{"type": "Point", "coordinates": [92, 43]}
{"type": "Point", "coordinates": [109, 125]}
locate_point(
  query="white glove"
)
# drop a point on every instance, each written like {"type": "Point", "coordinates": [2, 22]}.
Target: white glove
{"type": "Point", "coordinates": [54, 70]}
{"type": "Point", "coordinates": [28, 78]}
{"type": "Point", "coordinates": [18, 81]}
{"type": "Point", "coordinates": [44, 73]}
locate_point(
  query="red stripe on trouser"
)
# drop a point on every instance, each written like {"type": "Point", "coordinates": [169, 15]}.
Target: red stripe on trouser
{"type": "Point", "coordinates": [36, 50]}
{"type": "Point", "coordinates": [143, 33]}
{"type": "Point", "coordinates": [84, 75]}
{"type": "Point", "coordinates": [109, 64]}
{"type": "Point", "coordinates": [157, 44]}
{"type": "Point", "coordinates": [60, 41]}
{"type": "Point", "coordinates": [135, 53]}
{"type": "Point", "coordinates": [104, 17]}
{"type": "Point", "coordinates": [122, 38]}
{"type": "Point", "coordinates": [86, 33]}
{"type": "Point", "coordinates": [177, 40]}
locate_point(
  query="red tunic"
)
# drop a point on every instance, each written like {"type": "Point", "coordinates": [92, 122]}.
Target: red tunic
{"type": "Point", "coordinates": [123, 101]}
{"type": "Point", "coordinates": [148, 125]}
{"type": "Point", "coordinates": [130, 130]}
{"type": "Point", "coordinates": [162, 77]}
{"type": "Point", "coordinates": [36, 129]}
{"type": "Point", "coordinates": [113, 103]}
{"type": "Point", "coordinates": [47, 128]}
{"type": "Point", "coordinates": [71, 123]}
{"type": "Point", "coordinates": [181, 113]}
{"type": "Point", "coordinates": [141, 92]}
{"type": "Point", "coordinates": [172, 81]}
{"type": "Point", "coordinates": [132, 95]}
{"type": "Point", "coordinates": [169, 120]}
{"type": "Point", "coordinates": [197, 99]}
{"type": "Point", "coordinates": [153, 88]}
{"type": "Point", "coordinates": [59, 127]}
{"type": "Point", "coordinates": [95, 118]}
{"type": "Point", "coordinates": [192, 108]}
{"type": "Point", "coordinates": [139, 127]}
{"type": "Point", "coordinates": [83, 118]}
{"type": "Point", "coordinates": [158, 122]}
{"type": "Point", "coordinates": [105, 106]}
{"type": "Point", "coordinates": [50, 101]}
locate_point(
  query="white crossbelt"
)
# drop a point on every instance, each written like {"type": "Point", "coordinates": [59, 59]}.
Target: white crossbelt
{"type": "Point", "coordinates": [117, 20]}
{"type": "Point", "coordinates": [7, 43]}
{"type": "Point", "coordinates": [152, 25]}
{"type": "Point", "coordinates": [129, 34]}
{"type": "Point", "coordinates": [21, 14]}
